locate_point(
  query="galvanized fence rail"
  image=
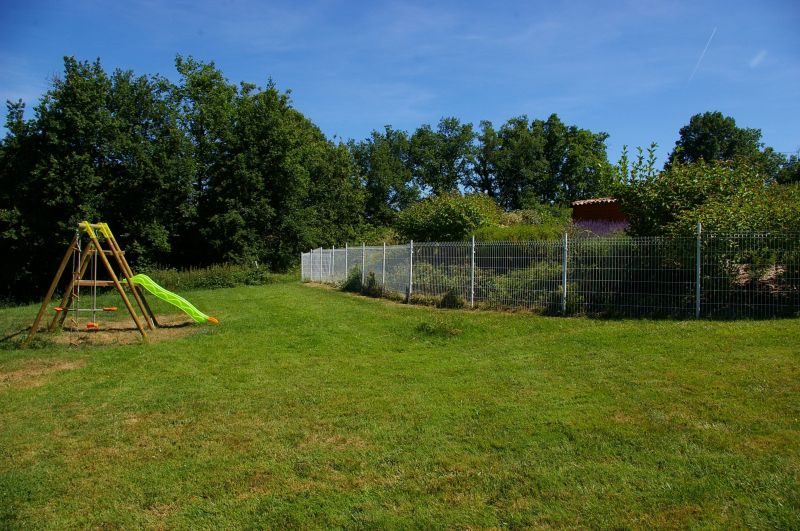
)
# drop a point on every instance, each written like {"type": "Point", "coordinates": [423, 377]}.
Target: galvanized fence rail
{"type": "Point", "coordinates": [710, 275]}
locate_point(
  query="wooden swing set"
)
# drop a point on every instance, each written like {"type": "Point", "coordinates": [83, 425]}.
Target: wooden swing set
{"type": "Point", "coordinates": [85, 261]}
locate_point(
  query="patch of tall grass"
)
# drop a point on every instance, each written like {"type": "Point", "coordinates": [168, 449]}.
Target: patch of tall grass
{"type": "Point", "coordinates": [218, 276]}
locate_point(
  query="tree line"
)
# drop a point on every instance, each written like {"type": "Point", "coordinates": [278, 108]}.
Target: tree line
{"type": "Point", "coordinates": [202, 171]}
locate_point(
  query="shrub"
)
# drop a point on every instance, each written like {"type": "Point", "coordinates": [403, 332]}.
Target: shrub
{"type": "Point", "coordinates": [536, 287]}
{"type": "Point", "coordinates": [774, 208]}
{"type": "Point", "coordinates": [519, 233]}
{"type": "Point", "coordinates": [353, 281]}
{"type": "Point", "coordinates": [449, 217]}
{"type": "Point", "coordinates": [371, 287]}
{"type": "Point", "coordinates": [451, 299]}
{"type": "Point", "coordinates": [656, 201]}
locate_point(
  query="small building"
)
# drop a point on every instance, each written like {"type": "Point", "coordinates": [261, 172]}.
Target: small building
{"type": "Point", "coordinates": [598, 209]}
{"type": "Point", "coordinates": [601, 216]}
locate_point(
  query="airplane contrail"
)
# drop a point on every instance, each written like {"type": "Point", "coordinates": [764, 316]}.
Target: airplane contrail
{"type": "Point", "coordinates": [703, 54]}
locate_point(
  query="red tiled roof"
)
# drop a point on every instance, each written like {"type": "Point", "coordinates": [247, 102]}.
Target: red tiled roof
{"type": "Point", "coordinates": [594, 201]}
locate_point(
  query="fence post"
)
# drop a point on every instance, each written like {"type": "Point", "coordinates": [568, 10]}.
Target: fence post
{"type": "Point", "coordinates": [698, 271]}
{"type": "Point", "coordinates": [330, 266]}
{"type": "Point", "coordinates": [410, 269]}
{"type": "Point", "coordinates": [383, 268]}
{"type": "Point", "coordinates": [346, 271]}
{"type": "Point", "coordinates": [472, 276]}
{"type": "Point", "coordinates": [564, 276]}
{"type": "Point", "coordinates": [363, 262]}
{"type": "Point", "coordinates": [312, 265]}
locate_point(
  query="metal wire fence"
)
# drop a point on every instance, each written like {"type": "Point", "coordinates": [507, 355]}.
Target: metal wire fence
{"type": "Point", "coordinates": [711, 275]}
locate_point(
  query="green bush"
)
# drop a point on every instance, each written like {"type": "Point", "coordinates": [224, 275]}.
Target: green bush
{"type": "Point", "coordinates": [449, 217]}
{"type": "Point", "coordinates": [540, 283]}
{"type": "Point", "coordinates": [520, 233]}
{"type": "Point", "coordinates": [653, 203]}
{"type": "Point", "coordinates": [353, 281]}
{"type": "Point", "coordinates": [451, 299]}
{"type": "Point", "coordinates": [371, 287]}
{"type": "Point", "coordinates": [775, 208]}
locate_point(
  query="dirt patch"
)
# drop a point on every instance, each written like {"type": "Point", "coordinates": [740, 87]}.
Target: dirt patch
{"type": "Point", "coordinates": [33, 372]}
{"type": "Point", "coordinates": [173, 326]}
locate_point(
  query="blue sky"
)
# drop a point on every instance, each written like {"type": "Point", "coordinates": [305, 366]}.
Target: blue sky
{"type": "Point", "coordinates": [637, 70]}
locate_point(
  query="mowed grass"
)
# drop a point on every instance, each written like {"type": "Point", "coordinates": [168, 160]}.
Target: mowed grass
{"type": "Point", "coordinates": [313, 408]}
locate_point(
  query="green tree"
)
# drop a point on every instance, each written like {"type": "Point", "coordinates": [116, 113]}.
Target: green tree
{"type": "Point", "coordinates": [789, 171]}
{"type": "Point", "coordinates": [713, 136]}
{"type": "Point", "coordinates": [484, 176]}
{"type": "Point", "coordinates": [384, 165]}
{"type": "Point", "coordinates": [443, 159]}
{"type": "Point", "coordinates": [98, 147]}
{"type": "Point", "coordinates": [270, 184]}
{"type": "Point", "coordinates": [546, 161]}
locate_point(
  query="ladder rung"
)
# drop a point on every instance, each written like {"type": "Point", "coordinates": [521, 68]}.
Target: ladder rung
{"type": "Point", "coordinates": [106, 309]}
{"type": "Point", "coordinates": [106, 252]}
{"type": "Point", "coordinates": [98, 283]}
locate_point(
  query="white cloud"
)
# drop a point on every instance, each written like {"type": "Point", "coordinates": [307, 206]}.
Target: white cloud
{"type": "Point", "coordinates": [758, 58]}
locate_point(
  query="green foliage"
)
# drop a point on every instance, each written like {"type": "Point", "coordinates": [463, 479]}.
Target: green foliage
{"type": "Point", "coordinates": [539, 222]}
{"type": "Point", "coordinates": [371, 286]}
{"type": "Point", "coordinates": [520, 233]}
{"type": "Point", "coordinates": [712, 136]}
{"type": "Point", "coordinates": [193, 173]}
{"type": "Point", "coordinates": [271, 183]}
{"type": "Point", "coordinates": [641, 169]}
{"type": "Point", "coordinates": [548, 162]}
{"type": "Point", "coordinates": [653, 203]}
{"type": "Point", "coordinates": [100, 146]}
{"type": "Point", "coordinates": [451, 299]}
{"type": "Point", "coordinates": [790, 171]}
{"type": "Point", "coordinates": [538, 284]}
{"type": "Point", "coordinates": [216, 276]}
{"type": "Point", "coordinates": [773, 209]}
{"type": "Point", "coordinates": [484, 176]}
{"type": "Point", "coordinates": [448, 217]}
{"type": "Point", "coordinates": [442, 159]}
{"type": "Point", "coordinates": [352, 283]}
{"type": "Point", "coordinates": [383, 161]}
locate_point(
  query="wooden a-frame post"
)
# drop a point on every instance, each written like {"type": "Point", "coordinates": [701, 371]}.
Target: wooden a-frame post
{"type": "Point", "coordinates": [52, 289]}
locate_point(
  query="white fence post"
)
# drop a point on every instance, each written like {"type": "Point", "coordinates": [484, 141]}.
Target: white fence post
{"type": "Point", "coordinates": [698, 271]}
{"type": "Point", "coordinates": [330, 266]}
{"type": "Point", "coordinates": [363, 263]}
{"type": "Point", "coordinates": [346, 271]}
{"type": "Point", "coordinates": [410, 269]}
{"type": "Point", "coordinates": [383, 268]}
{"type": "Point", "coordinates": [564, 276]}
{"type": "Point", "coordinates": [472, 276]}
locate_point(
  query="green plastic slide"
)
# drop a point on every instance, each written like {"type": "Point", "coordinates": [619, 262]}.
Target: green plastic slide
{"type": "Point", "coordinates": [176, 300]}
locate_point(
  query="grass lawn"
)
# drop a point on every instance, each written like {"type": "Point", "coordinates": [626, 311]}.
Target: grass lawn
{"type": "Point", "coordinates": [313, 408]}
